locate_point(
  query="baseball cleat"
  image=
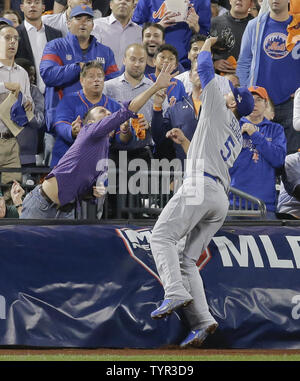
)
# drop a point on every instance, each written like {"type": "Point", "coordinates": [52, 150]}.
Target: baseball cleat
{"type": "Point", "coordinates": [168, 306]}
{"type": "Point", "coordinates": [196, 338]}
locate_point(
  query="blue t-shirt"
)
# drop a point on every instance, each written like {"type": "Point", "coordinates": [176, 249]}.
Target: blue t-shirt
{"type": "Point", "coordinates": [279, 70]}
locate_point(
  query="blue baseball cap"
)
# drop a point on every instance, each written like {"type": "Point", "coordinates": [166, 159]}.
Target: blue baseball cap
{"type": "Point", "coordinates": [244, 99]}
{"type": "Point", "coordinates": [18, 113]}
{"type": "Point", "coordinates": [3, 20]}
{"type": "Point", "coordinates": [81, 10]}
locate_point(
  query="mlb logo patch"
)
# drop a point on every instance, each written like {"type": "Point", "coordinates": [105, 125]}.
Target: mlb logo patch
{"type": "Point", "coordinates": [137, 243]}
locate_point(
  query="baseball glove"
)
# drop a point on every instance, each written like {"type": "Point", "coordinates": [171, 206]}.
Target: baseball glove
{"type": "Point", "coordinates": [225, 40]}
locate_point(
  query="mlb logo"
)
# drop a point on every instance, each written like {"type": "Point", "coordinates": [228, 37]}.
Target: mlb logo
{"type": "Point", "coordinates": [137, 243]}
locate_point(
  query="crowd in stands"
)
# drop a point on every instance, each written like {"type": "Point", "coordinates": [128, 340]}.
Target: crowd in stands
{"type": "Point", "coordinates": [61, 58]}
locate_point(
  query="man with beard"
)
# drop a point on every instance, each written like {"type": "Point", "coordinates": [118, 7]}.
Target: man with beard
{"type": "Point", "coordinates": [153, 36]}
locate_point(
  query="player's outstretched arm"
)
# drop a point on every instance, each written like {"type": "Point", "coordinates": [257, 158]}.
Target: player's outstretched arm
{"type": "Point", "coordinates": [205, 66]}
{"type": "Point", "coordinates": [162, 82]}
{"type": "Point", "coordinates": [208, 43]}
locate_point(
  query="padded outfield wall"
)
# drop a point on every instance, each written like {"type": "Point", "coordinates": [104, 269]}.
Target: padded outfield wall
{"type": "Point", "coordinates": [94, 285]}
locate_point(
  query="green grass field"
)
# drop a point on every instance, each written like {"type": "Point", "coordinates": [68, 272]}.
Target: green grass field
{"type": "Point", "coordinates": [63, 357]}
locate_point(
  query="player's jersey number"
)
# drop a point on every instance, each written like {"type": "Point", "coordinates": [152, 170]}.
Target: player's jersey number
{"type": "Point", "coordinates": [227, 153]}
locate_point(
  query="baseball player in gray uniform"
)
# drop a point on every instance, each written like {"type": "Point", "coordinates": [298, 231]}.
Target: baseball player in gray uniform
{"type": "Point", "coordinates": [199, 207]}
{"type": "Point", "coordinates": [288, 206]}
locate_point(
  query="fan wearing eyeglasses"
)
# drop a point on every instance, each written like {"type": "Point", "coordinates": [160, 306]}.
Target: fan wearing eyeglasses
{"type": "Point", "coordinates": [63, 58]}
{"type": "Point", "coordinates": [13, 79]}
{"type": "Point", "coordinates": [72, 108]}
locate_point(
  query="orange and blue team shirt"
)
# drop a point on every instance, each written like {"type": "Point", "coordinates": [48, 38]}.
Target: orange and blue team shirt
{"type": "Point", "coordinates": [60, 68]}
{"type": "Point", "coordinates": [180, 34]}
{"type": "Point", "coordinates": [68, 109]}
{"type": "Point", "coordinates": [175, 92]}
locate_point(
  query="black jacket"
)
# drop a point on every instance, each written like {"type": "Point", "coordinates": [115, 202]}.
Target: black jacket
{"type": "Point", "coordinates": [24, 49]}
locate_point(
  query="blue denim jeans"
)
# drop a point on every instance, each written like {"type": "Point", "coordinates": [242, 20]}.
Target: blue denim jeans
{"type": "Point", "coordinates": [36, 207]}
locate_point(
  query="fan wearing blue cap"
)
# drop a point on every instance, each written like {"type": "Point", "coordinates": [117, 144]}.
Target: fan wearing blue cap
{"type": "Point", "coordinates": [198, 209]}
{"type": "Point", "coordinates": [5, 21]}
{"type": "Point", "coordinates": [63, 58]}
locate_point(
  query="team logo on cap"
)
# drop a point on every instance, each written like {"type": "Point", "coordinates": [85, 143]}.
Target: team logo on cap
{"type": "Point", "coordinates": [275, 46]}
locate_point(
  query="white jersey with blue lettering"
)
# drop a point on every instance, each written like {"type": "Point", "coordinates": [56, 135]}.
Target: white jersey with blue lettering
{"type": "Point", "coordinates": [217, 140]}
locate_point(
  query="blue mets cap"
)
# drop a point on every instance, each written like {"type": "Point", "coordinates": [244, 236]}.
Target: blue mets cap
{"type": "Point", "coordinates": [81, 10]}
{"type": "Point", "coordinates": [244, 100]}
{"type": "Point", "coordinates": [3, 20]}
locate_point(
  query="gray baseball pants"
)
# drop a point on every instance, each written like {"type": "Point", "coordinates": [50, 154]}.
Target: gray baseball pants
{"type": "Point", "coordinates": [197, 212]}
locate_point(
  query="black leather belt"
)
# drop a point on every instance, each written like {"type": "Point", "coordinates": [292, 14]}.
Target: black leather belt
{"type": "Point", "coordinates": [67, 208]}
{"type": "Point", "coordinates": [43, 194]}
{"type": "Point", "coordinates": [6, 135]}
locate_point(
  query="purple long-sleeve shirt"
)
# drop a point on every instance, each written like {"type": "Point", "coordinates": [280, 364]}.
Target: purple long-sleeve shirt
{"type": "Point", "coordinates": [77, 171]}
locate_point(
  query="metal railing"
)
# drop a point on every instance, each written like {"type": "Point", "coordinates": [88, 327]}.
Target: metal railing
{"type": "Point", "coordinates": [146, 205]}
{"type": "Point", "coordinates": [245, 205]}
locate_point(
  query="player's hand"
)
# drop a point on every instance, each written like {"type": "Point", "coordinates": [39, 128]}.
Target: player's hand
{"type": "Point", "coordinates": [193, 20]}
{"type": "Point", "coordinates": [168, 19]}
{"type": "Point", "coordinates": [76, 126]}
{"type": "Point", "coordinates": [249, 128]}
{"type": "Point", "coordinates": [99, 190]}
{"type": "Point", "coordinates": [213, 40]}
{"type": "Point", "coordinates": [224, 67]}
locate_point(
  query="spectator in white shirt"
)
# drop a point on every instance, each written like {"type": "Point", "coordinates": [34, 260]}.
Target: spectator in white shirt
{"type": "Point", "coordinates": [13, 78]}
{"type": "Point", "coordinates": [296, 112]}
{"type": "Point", "coordinates": [34, 35]}
{"type": "Point", "coordinates": [118, 30]}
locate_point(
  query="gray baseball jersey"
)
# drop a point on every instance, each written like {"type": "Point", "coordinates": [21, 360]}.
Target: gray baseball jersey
{"type": "Point", "coordinates": [217, 140]}
{"type": "Point", "coordinates": [286, 202]}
